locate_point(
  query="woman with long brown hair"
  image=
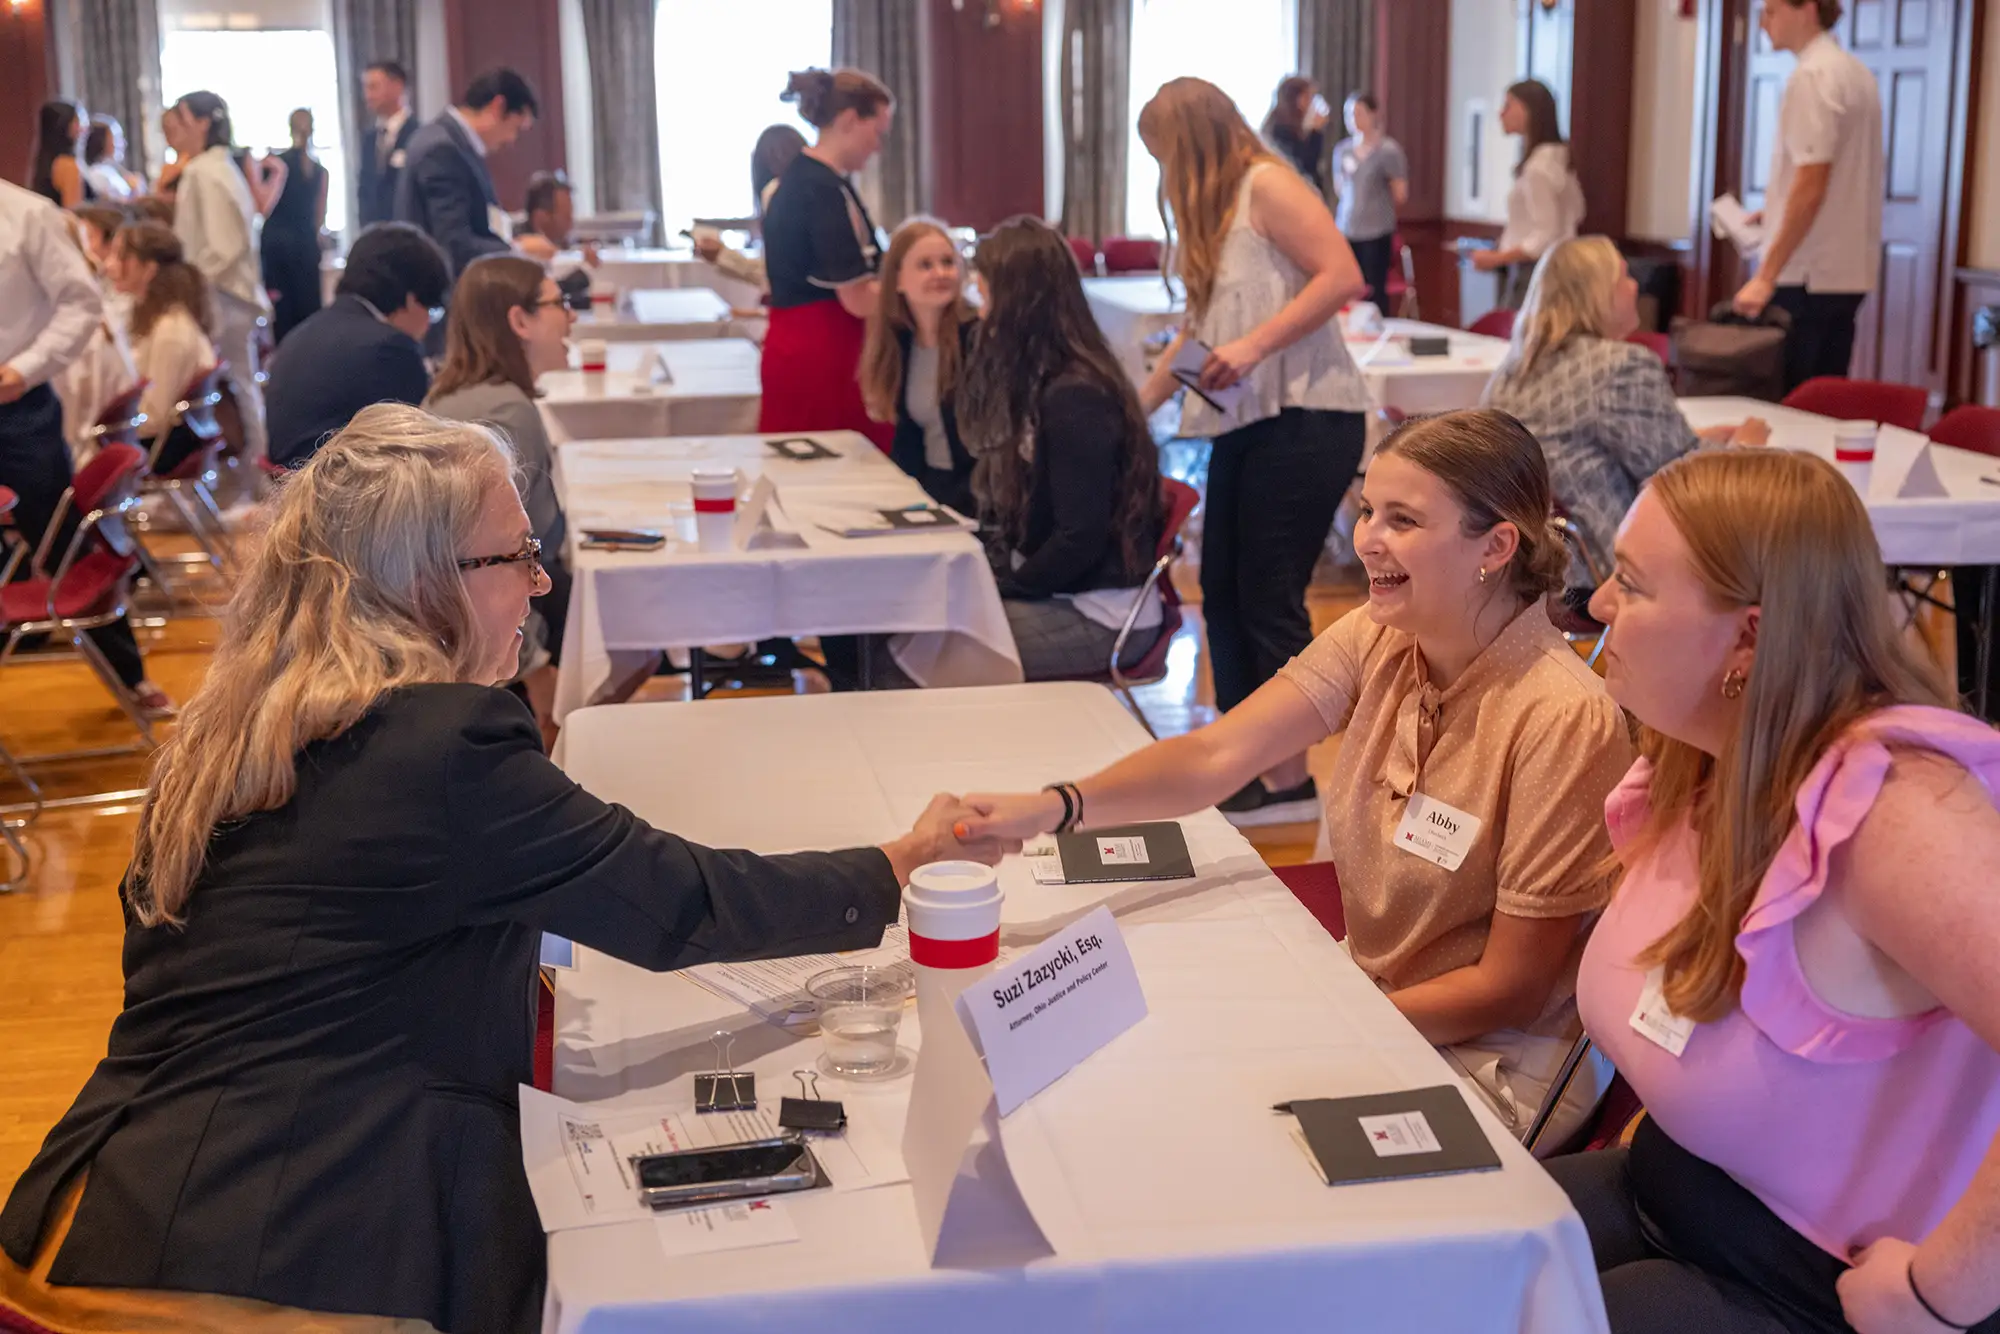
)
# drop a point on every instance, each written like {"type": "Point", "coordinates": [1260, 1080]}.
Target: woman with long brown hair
{"type": "Point", "coordinates": [1796, 973]}
{"type": "Point", "coordinates": [348, 855]}
{"type": "Point", "coordinates": [1266, 273]}
{"type": "Point", "coordinates": [57, 174]}
{"type": "Point", "coordinates": [170, 324]}
{"type": "Point", "coordinates": [1068, 476]}
{"type": "Point", "coordinates": [1295, 126]}
{"type": "Point", "coordinates": [918, 341]}
{"type": "Point", "coordinates": [1454, 694]}
{"type": "Point", "coordinates": [821, 256]}
{"type": "Point", "coordinates": [1545, 202]}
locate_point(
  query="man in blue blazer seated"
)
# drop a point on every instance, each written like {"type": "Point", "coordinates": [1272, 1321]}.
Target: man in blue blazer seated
{"type": "Point", "coordinates": [362, 349]}
{"type": "Point", "coordinates": [445, 188]}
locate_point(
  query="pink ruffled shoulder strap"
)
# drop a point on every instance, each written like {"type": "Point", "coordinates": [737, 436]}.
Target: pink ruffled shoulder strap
{"type": "Point", "coordinates": [1832, 802]}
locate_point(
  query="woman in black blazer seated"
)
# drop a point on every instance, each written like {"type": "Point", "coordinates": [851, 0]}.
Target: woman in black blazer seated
{"type": "Point", "coordinates": [918, 339]}
{"type": "Point", "coordinates": [346, 861]}
{"type": "Point", "coordinates": [1068, 476]}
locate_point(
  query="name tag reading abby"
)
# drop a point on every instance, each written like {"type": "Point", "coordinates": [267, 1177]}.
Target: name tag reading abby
{"type": "Point", "coordinates": [1044, 1012]}
{"type": "Point", "coordinates": [1439, 833]}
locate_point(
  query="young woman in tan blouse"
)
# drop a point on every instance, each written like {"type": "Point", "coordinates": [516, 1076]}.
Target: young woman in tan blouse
{"type": "Point", "coordinates": [1450, 686]}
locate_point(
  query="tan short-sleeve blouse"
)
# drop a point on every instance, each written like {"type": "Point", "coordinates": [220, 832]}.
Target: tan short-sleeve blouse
{"type": "Point", "coordinates": [1526, 739]}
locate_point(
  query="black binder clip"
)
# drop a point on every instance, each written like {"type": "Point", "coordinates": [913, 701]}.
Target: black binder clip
{"type": "Point", "coordinates": [809, 1111]}
{"type": "Point", "coordinates": [725, 1089]}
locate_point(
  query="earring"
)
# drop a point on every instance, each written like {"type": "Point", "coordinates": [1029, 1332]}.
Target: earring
{"type": "Point", "coordinates": [1482, 574]}
{"type": "Point", "coordinates": [1732, 683]}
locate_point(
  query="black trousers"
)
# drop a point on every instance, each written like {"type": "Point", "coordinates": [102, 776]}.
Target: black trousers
{"type": "Point", "coordinates": [1680, 1246]}
{"type": "Point", "coordinates": [1273, 487]}
{"type": "Point", "coordinates": [1822, 337]}
{"type": "Point", "coordinates": [1375, 256]}
{"type": "Point", "coordinates": [35, 465]}
{"type": "Point", "coordinates": [1968, 592]}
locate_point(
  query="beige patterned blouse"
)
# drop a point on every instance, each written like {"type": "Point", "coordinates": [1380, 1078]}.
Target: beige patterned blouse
{"type": "Point", "coordinates": [1526, 740]}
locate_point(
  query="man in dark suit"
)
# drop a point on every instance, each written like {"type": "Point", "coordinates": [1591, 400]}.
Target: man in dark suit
{"type": "Point", "coordinates": [385, 89]}
{"type": "Point", "coordinates": [362, 349]}
{"type": "Point", "coordinates": [445, 189]}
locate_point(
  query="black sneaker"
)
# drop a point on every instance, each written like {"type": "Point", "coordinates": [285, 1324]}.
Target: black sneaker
{"type": "Point", "coordinates": [1255, 804]}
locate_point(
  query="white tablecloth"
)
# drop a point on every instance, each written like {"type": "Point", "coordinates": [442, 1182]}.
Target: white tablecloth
{"type": "Point", "coordinates": [1130, 310]}
{"type": "Point", "coordinates": [714, 388]}
{"type": "Point", "coordinates": [1960, 528]}
{"type": "Point", "coordinates": [935, 591]}
{"type": "Point", "coordinates": [637, 269]}
{"type": "Point", "coordinates": [1186, 1204]}
{"type": "Point", "coordinates": [655, 313]}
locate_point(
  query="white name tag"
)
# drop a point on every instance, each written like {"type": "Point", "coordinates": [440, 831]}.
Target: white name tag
{"type": "Point", "coordinates": [497, 220]}
{"type": "Point", "coordinates": [1129, 851]}
{"type": "Point", "coordinates": [1438, 833]}
{"type": "Point", "coordinates": [1394, 1136]}
{"type": "Point", "coordinates": [1653, 1021]}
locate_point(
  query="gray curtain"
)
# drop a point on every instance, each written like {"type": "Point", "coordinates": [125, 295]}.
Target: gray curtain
{"type": "Point", "coordinates": [1096, 100]}
{"type": "Point", "coordinates": [118, 72]}
{"type": "Point", "coordinates": [884, 38]}
{"type": "Point", "coordinates": [625, 117]}
{"type": "Point", "coordinates": [1337, 48]}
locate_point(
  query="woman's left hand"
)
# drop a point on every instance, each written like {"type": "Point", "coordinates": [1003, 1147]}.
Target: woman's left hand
{"type": "Point", "coordinates": [1875, 1295]}
{"type": "Point", "coordinates": [1486, 260]}
{"type": "Point", "coordinates": [1229, 363]}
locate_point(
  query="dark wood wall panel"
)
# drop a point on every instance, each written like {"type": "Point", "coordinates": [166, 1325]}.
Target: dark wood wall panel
{"type": "Point", "coordinates": [1603, 44]}
{"type": "Point", "coordinates": [984, 107]}
{"type": "Point", "coordinates": [24, 84]}
{"type": "Point", "coordinates": [526, 34]}
{"type": "Point", "coordinates": [1412, 69]}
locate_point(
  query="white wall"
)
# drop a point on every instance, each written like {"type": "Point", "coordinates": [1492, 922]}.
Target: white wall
{"type": "Point", "coordinates": [580, 139]}
{"type": "Point", "coordinates": [1483, 63]}
{"type": "Point", "coordinates": [1664, 50]}
{"type": "Point", "coordinates": [1983, 246]}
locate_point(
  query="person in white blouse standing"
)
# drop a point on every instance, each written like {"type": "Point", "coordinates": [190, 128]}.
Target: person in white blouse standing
{"type": "Point", "coordinates": [1545, 203]}
{"type": "Point", "coordinates": [1823, 213]}
{"type": "Point", "coordinates": [216, 221]}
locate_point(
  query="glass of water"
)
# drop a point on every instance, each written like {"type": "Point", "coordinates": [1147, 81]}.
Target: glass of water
{"type": "Point", "coordinates": [860, 1009]}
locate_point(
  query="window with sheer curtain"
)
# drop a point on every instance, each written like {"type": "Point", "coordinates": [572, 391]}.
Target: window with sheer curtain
{"type": "Point", "coordinates": [265, 60]}
{"type": "Point", "coordinates": [1243, 48]}
{"type": "Point", "coordinates": [720, 69]}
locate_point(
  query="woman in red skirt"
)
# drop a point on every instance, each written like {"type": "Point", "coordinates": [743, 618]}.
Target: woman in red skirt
{"type": "Point", "coordinates": [821, 254]}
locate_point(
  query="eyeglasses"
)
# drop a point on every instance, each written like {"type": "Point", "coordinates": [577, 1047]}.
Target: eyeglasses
{"type": "Point", "coordinates": [530, 553]}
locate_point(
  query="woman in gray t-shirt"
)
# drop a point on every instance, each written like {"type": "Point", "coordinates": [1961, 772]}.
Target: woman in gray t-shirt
{"type": "Point", "coordinates": [1371, 178]}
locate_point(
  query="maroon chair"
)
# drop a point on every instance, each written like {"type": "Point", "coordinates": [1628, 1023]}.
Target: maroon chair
{"type": "Point", "coordinates": [1843, 399]}
{"type": "Point", "coordinates": [1970, 427]}
{"type": "Point", "coordinates": [1131, 254]}
{"type": "Point", "coordinates": [1180, 500]}
{"type": "Point", "coordinates": [1658, 344]}
{"type": "Point", "coordinates": [122, 420]}
{"type": "Point", "coordinates": [1494, 324]}
{"type": "Point", "coordinates": [1317, 886]}
{"type": "Point", "coordinates": [1401, 293]}
{"type": "Point", "coordinates": [1085, 251]}
{"type": "Point", "coordinates": [182, 467]}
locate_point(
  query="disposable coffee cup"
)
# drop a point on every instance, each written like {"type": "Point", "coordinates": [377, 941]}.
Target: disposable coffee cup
{"type": "Point", "coordinates": [1854, 453]}
{"type": "Point", "coordinates": [594, 355]}
{"type": "Point", "coordinates": [715, 508]}
{"type": "Point", "coordinates": [603, 302]}
{"type": "Point", "coordinates": [954, 915]}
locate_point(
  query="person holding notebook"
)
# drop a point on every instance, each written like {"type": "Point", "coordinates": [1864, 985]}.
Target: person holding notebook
{"type": "Point", "coordinates": [1458, 699]}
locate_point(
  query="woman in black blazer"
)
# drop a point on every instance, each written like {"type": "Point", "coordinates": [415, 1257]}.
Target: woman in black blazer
{"type": "Point", "coordinates": [347, 858]}
{"type": "Point", "coordinates": [918, 340]}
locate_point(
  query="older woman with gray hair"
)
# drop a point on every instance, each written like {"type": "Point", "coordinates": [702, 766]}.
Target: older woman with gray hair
{"type": "Point", "coordinates": [348, 855]}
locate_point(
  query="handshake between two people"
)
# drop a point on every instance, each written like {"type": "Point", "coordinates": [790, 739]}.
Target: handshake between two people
{"type": "Point", "coordinates": [980, 828]}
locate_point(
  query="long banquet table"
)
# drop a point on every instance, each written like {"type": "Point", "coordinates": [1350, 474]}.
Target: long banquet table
{"type": "Point", "coordinates": [1179, 1197]}
{"type": "Point", "coordinates": [712, 386]}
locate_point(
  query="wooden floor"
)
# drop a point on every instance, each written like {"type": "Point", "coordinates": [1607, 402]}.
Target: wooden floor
{"type": "Point", "coordinates": [60, 984]}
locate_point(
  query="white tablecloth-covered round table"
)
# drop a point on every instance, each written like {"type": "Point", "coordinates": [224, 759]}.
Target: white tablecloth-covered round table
{"type": "Point", "coordinates": [1182, 1201]}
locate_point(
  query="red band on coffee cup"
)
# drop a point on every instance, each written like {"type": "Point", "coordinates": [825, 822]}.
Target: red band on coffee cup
{"type": "Point", "coordinates": [714, 506]}
{"type": "Point", "coordinates": [973, 953]}
{"type": "Point", "coordinates": [1854, 455]}
{"type": "Point", "coordinates": [597, 366]}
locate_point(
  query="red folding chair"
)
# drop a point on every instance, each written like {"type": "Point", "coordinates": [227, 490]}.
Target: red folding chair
{"type": "Point", "coordinates": [1180, 500]}
{"type": "Point", "coordinates": [1131, 254]}
{"type": "Point", "coordinates": [182, 469]}
{"type": "Point", "coordinates": [89, 583]}
{"type": "Point", "coordinates": [1402, 290]}
{"type": "Point", "coordinates": [1970, 427]}
{"type": "Point", "coordinates": [1317, 886]}
{"type": "Point", "coordinates": [1843, 399]}
{"type": "Point", "coordinates": [1494, 324]}
{"type": "Point", "coordinates": [1658, 344]}
{"type": "Point", "coordinates": [12, 551]}
{"type": "Point", "coordinates": [122, 422]}
{"type": "Point", "coordinates": [1085, 251]}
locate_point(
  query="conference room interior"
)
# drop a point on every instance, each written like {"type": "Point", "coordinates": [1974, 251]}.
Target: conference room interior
{"type": "Point", "coordinates": [644, 119]}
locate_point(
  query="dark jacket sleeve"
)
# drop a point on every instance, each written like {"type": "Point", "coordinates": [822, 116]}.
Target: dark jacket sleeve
{"type": "Point", "coordinates": [451, 203]}
{"type": "Point", "coordinates": [399, 373]}
{"type": "Point", "coordinates": [533, 847]}
{"type": "Point", "coordinates": [1077, 443]}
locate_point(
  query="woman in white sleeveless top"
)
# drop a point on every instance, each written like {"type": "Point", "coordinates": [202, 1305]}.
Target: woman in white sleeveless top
{"type": "Point", "coordinates": [1266, 272]}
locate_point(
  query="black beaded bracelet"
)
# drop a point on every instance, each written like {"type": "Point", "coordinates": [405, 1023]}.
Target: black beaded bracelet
{"type": "Point", "coordinates": [1064, 825]}
{"type": "Point", "coordinates": [1910, 1273]}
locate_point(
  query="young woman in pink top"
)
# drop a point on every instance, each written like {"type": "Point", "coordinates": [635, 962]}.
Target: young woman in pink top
{"type": "Point", "coordinates": [1797, 973]}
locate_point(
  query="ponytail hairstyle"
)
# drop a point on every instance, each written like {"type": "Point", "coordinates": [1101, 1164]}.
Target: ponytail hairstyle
{"type": "Point", "coordinates": [822, 94]}
{"type": "Point", "coordinates": [176, 283]}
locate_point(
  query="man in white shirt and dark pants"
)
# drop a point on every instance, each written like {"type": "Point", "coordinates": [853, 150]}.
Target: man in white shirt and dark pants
{"type": "Point", "coordinates": [1823, 212]}
{"type": "Point", "coordinates": [52, 306]}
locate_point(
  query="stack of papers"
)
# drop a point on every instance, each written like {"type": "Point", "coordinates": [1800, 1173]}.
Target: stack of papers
{"type": "Point", "coordinates": [1728, 219]}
